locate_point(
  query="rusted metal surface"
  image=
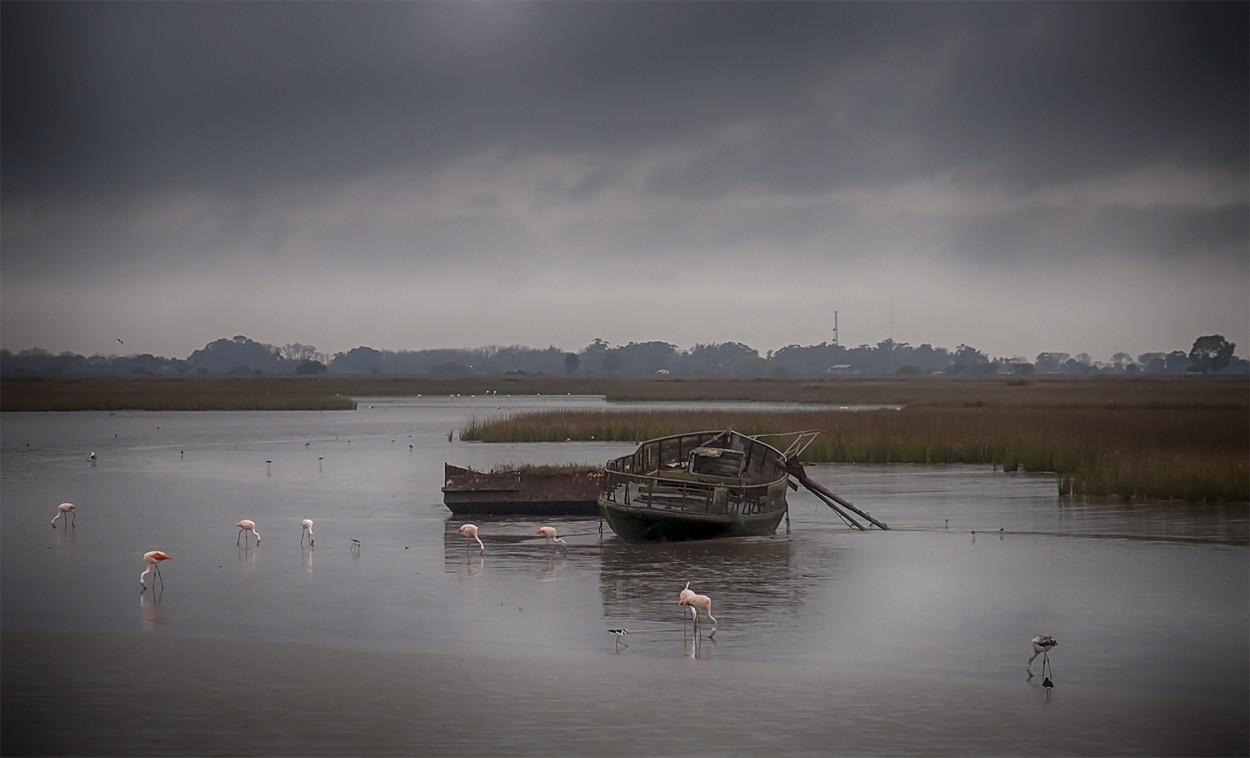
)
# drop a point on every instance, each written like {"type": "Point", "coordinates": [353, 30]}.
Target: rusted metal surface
{"type": "Point", "coordinates": [522, 492]}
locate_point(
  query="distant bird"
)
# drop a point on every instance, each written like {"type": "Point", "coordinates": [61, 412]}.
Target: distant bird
{"type": "Point", "coordinates": [619, 634]}
{"type": "Point", "coordinates": [150, 561]}
{"type": "Point", "coordinates": [92, 456]}
{"type": "Point", "coordinates": [696, 602]}
{"type": "Point", "coordinates": [549, 533]}
{"type": "Point", "coordinates": [470, 532]}
{"type": "Point", "coordinates": [355, 545]}
{"type": "Point", "coordinates": [307, 524]}
{"type": "Point", "coordinates": [247, 525]}
{"type": "Point", "coordinates": [1042, 644]}
{"type": "Point", "coordinates": [67, 510]}
{"type": "Point", "coordinates": [119, 340]}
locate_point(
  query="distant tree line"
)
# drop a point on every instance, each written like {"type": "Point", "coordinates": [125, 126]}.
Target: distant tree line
{"type": "Point", "coordinates": [241, 355]}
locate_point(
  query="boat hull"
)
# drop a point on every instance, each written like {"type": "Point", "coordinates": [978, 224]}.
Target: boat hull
{"type": "Point", "coordinates": [521, 493]}
{"type": "Point", "coordinates": [648, 525]}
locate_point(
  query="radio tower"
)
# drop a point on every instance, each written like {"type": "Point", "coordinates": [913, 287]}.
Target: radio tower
{"type": "Point", "coordinates": [835, 328]}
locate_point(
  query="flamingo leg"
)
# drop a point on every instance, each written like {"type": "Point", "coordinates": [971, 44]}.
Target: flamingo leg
{"type": "Point", "coordinates": [74, 521]}
{"type": "Point", "coordinates": [236, 539]}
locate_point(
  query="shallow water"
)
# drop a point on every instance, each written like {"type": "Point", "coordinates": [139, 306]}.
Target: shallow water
{"type": "Point", "coordinates": [1144, 599]}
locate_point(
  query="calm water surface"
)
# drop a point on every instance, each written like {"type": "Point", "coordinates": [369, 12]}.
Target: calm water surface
{"type": "Point", "coordinates": [1143, 598]}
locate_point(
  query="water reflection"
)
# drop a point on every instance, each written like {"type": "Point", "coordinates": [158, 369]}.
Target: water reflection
{"type": "Point", "coordinates": [247, 559]}
{"type": "Point", "coordinates": [153, 611]}
{"type": "Point", "coordinates": [307, 551]}
{"type": "Point", "coordinates": [471, 571]}
{"type": "Point", "coordinates": [643, 580]}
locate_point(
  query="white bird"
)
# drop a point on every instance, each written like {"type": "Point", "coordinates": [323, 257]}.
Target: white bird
{"type": "Point", "coordinates": [247, 525]}
{"type": "Point", "coordinates": [150, 561]}
{"type": "Point", "coordinates": [307, 524]}
{"type": "Point", "coordinates": [67, 510]}
{"type": "Point", "coordinates": [470, 532]}
{"type": "Point", "coordinates": [549, 533]}
{"type": "Point", "coordinates": [92, 456]}
{"type": "Point", "coordinates": [1042, 644]}
{"type": "Point", "coordinates": [695, 602]}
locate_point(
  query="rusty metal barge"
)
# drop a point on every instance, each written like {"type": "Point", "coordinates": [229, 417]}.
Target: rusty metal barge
{"type": "Point", "coordinates": [536, 491]}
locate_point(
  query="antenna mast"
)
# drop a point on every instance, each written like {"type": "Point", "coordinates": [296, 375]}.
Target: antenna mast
{"type": "Point", "coordinates": [835, 328]}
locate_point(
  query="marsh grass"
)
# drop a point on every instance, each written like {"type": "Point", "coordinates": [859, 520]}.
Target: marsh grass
{"type": "Point", "coordinates": [1198, 453]}
{"type": "Point", "coordinates": [1131, 437]}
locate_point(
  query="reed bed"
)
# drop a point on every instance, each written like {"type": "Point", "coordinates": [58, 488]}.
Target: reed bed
{"type": "Point", "coordinates": [167, 394]}
{"type": "Point", "coordinates": [324, 392]}
{"type": "Point", "coordinates": [1194, 454]}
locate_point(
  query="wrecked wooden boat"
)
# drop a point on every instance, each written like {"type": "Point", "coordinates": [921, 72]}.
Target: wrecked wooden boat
{"type": "Point", "coordinates": [695, 486]}
{"type": "Point", "coordinates": [704, 485]}
{"type": "Point", "coordinates": [522, 491]}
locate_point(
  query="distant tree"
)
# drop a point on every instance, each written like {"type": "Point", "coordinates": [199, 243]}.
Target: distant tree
{"type": "Point", "coordinates": [309, 366]}
{"type": "Point", "coordinates": [1210, 354]}
{"type": "Point", "coordinates": [358, 360]}
{"type": "Point", "coordinates": [571, 362]}
{"type": "Point", "coordinates": [1121, 361]}
{"type": "Point", "coordinates": [298, 352]}
{"type": "Point", "coordinates": [1176, 362]}
{"type": "Point", "coordinates": [612, 362]}
{"type": "Point", "coordinates": [1051, 363]}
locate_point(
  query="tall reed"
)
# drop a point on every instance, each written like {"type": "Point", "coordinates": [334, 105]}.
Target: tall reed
{"type": "Point", "coordinates": [1132, 453]}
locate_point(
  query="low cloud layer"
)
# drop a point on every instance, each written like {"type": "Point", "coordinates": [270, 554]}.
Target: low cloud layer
{"type": "Point", "coordinates": [1018, 177]}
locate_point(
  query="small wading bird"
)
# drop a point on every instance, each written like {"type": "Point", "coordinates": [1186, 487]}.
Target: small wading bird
{"type": "Point", "coordinates": [470, 533]}
{"type": "Point", "coordinates": [67, 510]}
{"type": "Point", "coordinates": [355, 545]}
{"type": "Point", "coordinates": [247, 525]}
{"type": "Point", "coordinates": [1042, 644]}
{"type": "Point", "coordinates": [307, 524]}
{"type": "Point", "coordinates": [696, 602]}
{"type": "Point", "coordinates": [150, 561]}
{"type": "Point", "coordinates": [549, 533]}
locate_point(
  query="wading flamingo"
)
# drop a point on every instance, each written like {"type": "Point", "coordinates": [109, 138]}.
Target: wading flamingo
{"type": "Point", "coordinates": [549, 533]}
{"type": "Point", "coordinates": [307, 524]}
{"type": "Point", "coordinates": [695, 602]}
{"type": "Point", "coordinates": [247, 525]}
{"type": "Point", "coordinates": [67, 510]}
{"type": "Point", "coordinates": [1042, 644]}
{"type": "Point", "coordinates": [150, 561]}
{"type": "Point", "coordinates": [470, 532]}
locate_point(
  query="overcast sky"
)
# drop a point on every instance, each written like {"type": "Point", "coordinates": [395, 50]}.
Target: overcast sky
{"type": "Point", "coordinates": [1019, 177]}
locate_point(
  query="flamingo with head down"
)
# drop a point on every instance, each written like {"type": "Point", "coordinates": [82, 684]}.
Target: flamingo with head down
{"type": "Point", "coordinates": [549, 532]}
{"type": "Point", "coordinates": [470, 532]}
{"type": "Point", "coordinates": [247, 525]}
{"type": "Point", "coordinates": [67, 510]}
{"type": "Point", "coordinates": [150, 561]}
{"type": "Point", "coordinates": [697, 602]}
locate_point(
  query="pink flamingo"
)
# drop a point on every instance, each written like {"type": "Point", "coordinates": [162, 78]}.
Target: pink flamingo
{"type": "Point", "coordinates": [470, 531]}
{"type": "Point", "coordinates": [695, 602]}
{"type": "Point", "coordinates": [1042, 644]}
{"type": "Point", "coordinates": [150, 561]}
{"type": "Point", "coordinates": [66, 510]}
{"type": "Point", "coordinates": [549, 532]}
{"type": "Point", "coordinates": [684, 594]}
{"type": "Point", "coordinates": [307, 524]}
{"type": "Point", "coordinates": [247, 525]}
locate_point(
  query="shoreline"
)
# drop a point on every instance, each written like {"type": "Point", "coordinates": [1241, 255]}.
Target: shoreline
{"type": "Point", "coordinates": [187, 695]}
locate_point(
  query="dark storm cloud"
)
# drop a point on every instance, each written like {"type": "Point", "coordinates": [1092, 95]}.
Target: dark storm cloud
{"type": "Point", "coordinates": [107, 97]}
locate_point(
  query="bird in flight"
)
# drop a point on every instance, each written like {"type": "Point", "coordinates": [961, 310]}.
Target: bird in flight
{"type": "Point", "coordinates": [119, 341]}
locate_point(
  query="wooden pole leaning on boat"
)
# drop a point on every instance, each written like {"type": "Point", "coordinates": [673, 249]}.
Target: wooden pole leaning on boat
{"type": "Point", "coordinates": [795, 469]}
